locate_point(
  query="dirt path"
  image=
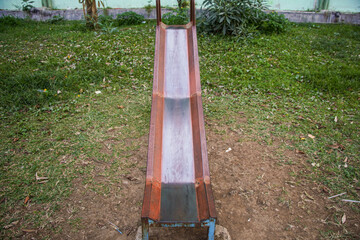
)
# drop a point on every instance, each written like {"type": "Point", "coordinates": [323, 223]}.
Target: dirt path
{"type": "Point", "coordinates": [258, 193]}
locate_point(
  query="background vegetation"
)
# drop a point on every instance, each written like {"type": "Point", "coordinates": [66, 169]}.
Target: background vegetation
{"type": "Point", "coordinates": [63, 87]}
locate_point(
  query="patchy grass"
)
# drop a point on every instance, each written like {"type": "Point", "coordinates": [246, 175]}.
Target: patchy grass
{"type": "Point", "coordinates": [301, 87]}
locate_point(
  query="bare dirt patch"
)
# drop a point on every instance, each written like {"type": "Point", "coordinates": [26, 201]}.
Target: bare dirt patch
{"type": "Point", "coordinates": [257, 187]}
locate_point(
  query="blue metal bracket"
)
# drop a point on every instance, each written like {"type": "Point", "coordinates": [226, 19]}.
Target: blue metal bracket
{"type": "Point", "coordinates": [147, 223]}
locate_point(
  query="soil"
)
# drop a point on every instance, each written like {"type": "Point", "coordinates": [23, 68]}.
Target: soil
{"type": "Point", "coordinates": [259, 194]}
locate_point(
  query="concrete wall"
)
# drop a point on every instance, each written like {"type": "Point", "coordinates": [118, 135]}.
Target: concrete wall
{"type": "Point", "coordinates": [293, 16]}
{"type": "Point", "coordinates": [294, 5]}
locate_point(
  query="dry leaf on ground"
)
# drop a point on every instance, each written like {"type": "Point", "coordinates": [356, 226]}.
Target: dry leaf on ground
{"type": "Point", "coordinates": [343, 219]}
{"type": "Point", "coordinates": [311, 136]}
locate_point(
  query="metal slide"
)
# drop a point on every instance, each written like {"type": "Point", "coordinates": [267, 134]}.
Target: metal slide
{"type": "Point", "coordinates": [178, 191]}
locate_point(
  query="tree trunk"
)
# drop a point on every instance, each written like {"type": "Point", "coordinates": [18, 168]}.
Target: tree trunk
{"type": "Point", "coordinates": [91, 13]}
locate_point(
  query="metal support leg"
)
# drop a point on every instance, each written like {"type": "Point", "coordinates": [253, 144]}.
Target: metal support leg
{"type": "Point", "coordinates": [211, 233]}
{"type": "Point", "coordinates": [145, 229]}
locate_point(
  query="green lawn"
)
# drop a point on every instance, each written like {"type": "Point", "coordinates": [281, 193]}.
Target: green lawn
{"type": "Point", "coordinates": [302, 87]}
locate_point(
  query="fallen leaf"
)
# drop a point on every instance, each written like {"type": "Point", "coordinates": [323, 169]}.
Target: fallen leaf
{"type": "Point", "coordinates": [120, 106]}
{"type": "Point", "coordinates": [15, 139]}
{"type": "Point", "coordinates": [26, 199]}
{"type": "Point", "coordinates": [311, 136]}
{"type": "Point", "coordinates": [343, 219]}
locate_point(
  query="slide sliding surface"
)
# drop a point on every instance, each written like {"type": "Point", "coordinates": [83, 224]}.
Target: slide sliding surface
{"type": "Point", "coordinates": [178, 182]}
{"type": "Point", "coordinates": [178, 190]}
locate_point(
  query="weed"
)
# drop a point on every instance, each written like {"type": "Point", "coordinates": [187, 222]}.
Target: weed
{"type": "Point", "coordinates": [149, 7]}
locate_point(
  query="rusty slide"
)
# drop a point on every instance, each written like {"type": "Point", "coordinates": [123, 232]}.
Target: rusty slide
{"type": "Point", "coordinates": [177, 191]}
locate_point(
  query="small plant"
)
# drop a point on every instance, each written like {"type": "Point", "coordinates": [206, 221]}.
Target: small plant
{"type": "Point", "coordinates": [107, 24]}
{"type": "Point", "coordinates": [108, 28]}
{"type": "Point", "coordinates": [129, 18]}
{"type": "Point", "coordinates": [273, 23]}
{"type": "Point", "coordinates": [176, 17]}
{"type": "Point", "coordinates": [149, 8]}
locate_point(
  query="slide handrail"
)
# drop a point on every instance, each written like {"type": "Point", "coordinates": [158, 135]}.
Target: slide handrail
{"type": "Point", "coordinates": [192, 12]}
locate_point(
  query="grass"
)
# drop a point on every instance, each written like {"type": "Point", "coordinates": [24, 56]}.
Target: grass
{"type": "Point", "coordinates": [294, 86]}
{"type": "Point", "coordinates": [304, 82]}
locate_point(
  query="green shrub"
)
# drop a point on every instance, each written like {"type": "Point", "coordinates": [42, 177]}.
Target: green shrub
{"type": "Point", "coordinates": [129, 18]}
{"type": "Point", "coordinates": [11, 21]}
{"type": "Point", "coordinates": [273, 23]}
{"type": "Point", "coordinates": [240, 18]}
{"type": "Point", "coordinates": [231, 17]}
{"type": "Point", "coordinates": [176, 17]}
{"type": "Point", "coordinates": [105, 19]}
